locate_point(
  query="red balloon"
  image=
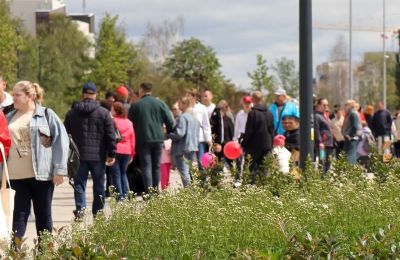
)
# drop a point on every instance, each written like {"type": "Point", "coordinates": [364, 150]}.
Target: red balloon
{"type": "Point", "coordinates": [232, 150]}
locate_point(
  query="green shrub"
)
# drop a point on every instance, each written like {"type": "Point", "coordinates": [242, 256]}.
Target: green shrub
{"type": "Point", "coordinates": [340, 215]}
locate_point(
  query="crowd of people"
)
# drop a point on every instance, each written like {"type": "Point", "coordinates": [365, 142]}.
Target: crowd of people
{"type": "Point", "coordinates": [131, 129]}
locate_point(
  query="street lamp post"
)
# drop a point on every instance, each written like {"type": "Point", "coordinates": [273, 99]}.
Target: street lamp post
{"type": "Point", "coordinates": [306, 81]}
{"type": "Point", "coordinates": [384, 54]}
{"type": "Point", "coordinates": [350, 49]}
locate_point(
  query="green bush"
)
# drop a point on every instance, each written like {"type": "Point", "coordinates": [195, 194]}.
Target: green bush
{"type": "Point", "coordinates": [341, 215]}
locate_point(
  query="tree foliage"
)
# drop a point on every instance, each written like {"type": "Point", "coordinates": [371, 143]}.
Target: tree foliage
{"type": "Point", "coordinates": [63, 61]}
{"type": "Point", "coordinates": [117, 61]}
{"type": "Point", "coordinates": [196, 63]}
{"type": "Point", "coordinates": [159, 39]}
{"type": "Point", "coordinates": [371, 79]}
{"type": "Point", "coordinates": [9, 42]}
{"type": "Point", "coordinates": [287, 76]}
{"type": "Point", "coordinates": [260, 78]}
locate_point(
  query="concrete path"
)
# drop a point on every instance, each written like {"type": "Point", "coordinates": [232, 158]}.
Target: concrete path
{"type": "Point", "coordinates": [63, 205]}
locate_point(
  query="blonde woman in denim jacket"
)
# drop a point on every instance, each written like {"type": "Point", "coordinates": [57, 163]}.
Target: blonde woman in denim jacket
{"type": "Point", "coordinates": [38, 157]}
{"type": "Point", "coordinates": [185, 140]}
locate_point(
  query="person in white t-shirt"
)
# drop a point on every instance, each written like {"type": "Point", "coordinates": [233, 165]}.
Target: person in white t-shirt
{"type": "Point", "coordinates": [282, 154]}
{"type": "Point", "coordinates": [6, 100]}
{"type": "Point", "coordinates": [206, 99]}
{"type": "Point", "coordinates": [240, 127]}
{"type": "Point", "coordinates": [201, 113]}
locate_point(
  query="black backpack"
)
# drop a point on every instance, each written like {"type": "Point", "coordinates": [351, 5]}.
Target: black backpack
{"type": "Point", "coordinates": [73, 157]}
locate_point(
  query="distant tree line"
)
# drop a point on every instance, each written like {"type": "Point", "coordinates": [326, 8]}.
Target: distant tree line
{"type": "Point", "coordinates": [58, 59]}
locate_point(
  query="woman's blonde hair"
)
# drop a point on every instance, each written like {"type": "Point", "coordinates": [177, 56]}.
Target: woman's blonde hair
{"type": "Point", "coordinates": [185, 103]}
{"type": "Point", "coordinates": [351, 103]}
{"type": "Point", "coordinates": [32, 90]}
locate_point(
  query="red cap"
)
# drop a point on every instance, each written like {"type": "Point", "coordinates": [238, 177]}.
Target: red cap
{"type": "Point", "coordinates": [122, 90]}
{"type": "Point", "coordinates": [247, 99]}
{"type": "Point", "coordinates": [279, 140]}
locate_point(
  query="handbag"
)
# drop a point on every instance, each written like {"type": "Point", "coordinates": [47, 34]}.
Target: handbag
{"type": "Point", "coordinates": [118, 136]}
{"type": "Point", "coordinates": [7, 201]}
{"type": "Point", "coordinates": [73, 161]}
{"type": "Point", "coordinates": [73, 156]}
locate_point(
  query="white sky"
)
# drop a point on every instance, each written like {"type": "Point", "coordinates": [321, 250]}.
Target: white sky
{"type": "Point", "coordinates": [238, 30]}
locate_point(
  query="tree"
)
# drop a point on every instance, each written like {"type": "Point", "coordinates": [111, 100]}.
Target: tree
{"type": "Point", "coordinates": [63, 61]}
{"type": "Point", "coordinates": [261, 81]}
{"type": "Point", "coordinates": [287, 76]}
{"type": "Point", "coordinates": [370, 77]}
{"type": "Point", "coordinates": [117, 61]}
{"type": "Point", "coordinates": [9, 41]}
{"type": "Point", "coordinates": [196, 63]}
{"type": "Point", "coordinates": [159, 39]}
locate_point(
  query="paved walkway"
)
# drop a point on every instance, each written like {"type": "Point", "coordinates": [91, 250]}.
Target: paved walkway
{"type": "Point", "coordinates": [63, 205]}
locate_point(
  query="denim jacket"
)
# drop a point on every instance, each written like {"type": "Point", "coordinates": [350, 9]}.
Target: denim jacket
{"type": "Point", "coordinates": [185, 137]}
{"type": "Point", "coordinates": [53, 159]}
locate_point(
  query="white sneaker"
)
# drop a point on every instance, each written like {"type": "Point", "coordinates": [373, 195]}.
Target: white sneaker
{"type": "Point", "coordinates": [237, 184]}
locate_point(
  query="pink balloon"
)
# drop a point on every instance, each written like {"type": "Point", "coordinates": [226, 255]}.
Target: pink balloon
{"type": "Point", "coordinates": [232, 150]}
{"type": "Point", "coordinates": [208, 160]}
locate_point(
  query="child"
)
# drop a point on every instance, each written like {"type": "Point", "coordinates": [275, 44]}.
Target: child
{"type": "Point", "coordinates": [165, 166]}
{"type": "Point", "coordinates": [365, 146]}
{"type": "Point", "coordinates": [292, 136]}
{"type": "Point", "coordinates": [282, 154]}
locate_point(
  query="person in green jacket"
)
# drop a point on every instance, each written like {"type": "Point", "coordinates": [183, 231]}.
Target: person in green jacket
{"type": "Point", "coordinates": [149, 115]}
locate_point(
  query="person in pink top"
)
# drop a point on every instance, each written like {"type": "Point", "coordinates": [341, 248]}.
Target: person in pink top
{"type": "Point", "coordinates": [165, 166]}
{"type": "Point", "coordinates": [125, 149]}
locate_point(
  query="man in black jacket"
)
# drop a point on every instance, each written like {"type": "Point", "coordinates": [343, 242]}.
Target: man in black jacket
{"type": "Point", "coordinates": [382, 127]}
{"type": "Point", "coordinates": [93, 131]}
{"type": "Point", "coordinates": [259, 134]}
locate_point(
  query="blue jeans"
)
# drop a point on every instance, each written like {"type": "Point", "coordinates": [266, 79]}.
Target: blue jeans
{"type": "Point", "coordinates": [41, 195]}
{"type": "Point", "coordinates": [150, 156]}
{"type": "Point", "coordinates": [183, 162]}
{"type": "Point", "coordinates": [202, 150]}
{"type": "Point", "coordinates": [350, 148]}
{"type": "Point", "coordinates": [119, 175]}
{"type": "Point", "coordinates": [97, 171]}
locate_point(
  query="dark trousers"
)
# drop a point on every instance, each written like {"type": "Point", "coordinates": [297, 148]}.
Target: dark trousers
{"type": "Point", "coordinates": [256, 166]}
{"type": "Point", "coordinates": [338, 148]}
{"type": "Point", "coordinates": [150, 156]}
{"type": "Point", "coordinates": [40, 193]}
{"type": "Point", "coordinates": [96, 169]}
{"type": "Point", "coordinates": [325, 164]}
{"type": "Point", "coordinates": [396, 147]}
{"type": "Point", "coordinates": [109, 180]}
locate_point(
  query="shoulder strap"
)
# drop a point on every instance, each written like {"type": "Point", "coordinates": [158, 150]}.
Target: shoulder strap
{"type": "Point", "coordinates": [280, 116]}
{"type": "Point", "coordinates": [5, 178]}
{"type": "Point", "coordinates": [46, 114]}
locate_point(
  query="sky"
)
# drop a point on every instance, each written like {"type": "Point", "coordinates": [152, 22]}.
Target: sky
{"type": "Point", "coordinates": [238, 30]}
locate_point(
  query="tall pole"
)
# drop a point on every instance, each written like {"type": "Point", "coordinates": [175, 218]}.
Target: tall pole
{"type": "Point", "coordinates": [306, 81]}
{"type": "Point", "coordinates": [350, 49]}
{"type": "Point", "coordinates": [384, 53]}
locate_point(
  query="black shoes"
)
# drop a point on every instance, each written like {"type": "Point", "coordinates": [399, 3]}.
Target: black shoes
{"type": "Point", "coordinates": [78, 215]}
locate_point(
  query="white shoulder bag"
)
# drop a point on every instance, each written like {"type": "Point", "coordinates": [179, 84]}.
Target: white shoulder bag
{"type": "Point", "coordinates": [7, 201]}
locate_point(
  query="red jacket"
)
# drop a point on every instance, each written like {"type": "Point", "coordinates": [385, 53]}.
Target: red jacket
{"type": "Point", "coordinates": [4, 135]}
